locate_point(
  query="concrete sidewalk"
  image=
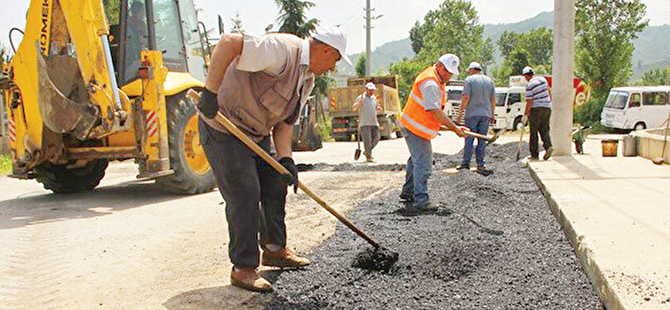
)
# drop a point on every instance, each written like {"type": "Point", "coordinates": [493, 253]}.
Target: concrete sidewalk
{"type": "Point", "coordinates": [616, 213]}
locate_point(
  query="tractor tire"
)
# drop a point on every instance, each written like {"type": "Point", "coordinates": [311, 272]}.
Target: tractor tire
{"type": "Point", "coordinates": [62, 180]}
{"type": "Point", "coordinates": [192, 173]}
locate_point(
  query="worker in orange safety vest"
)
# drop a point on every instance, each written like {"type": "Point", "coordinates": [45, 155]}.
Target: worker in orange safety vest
{"type": "Point", "coordinates": [421, 120]}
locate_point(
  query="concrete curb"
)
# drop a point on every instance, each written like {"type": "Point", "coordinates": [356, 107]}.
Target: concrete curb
{"type": "Point", "coordinates": [599, 281]}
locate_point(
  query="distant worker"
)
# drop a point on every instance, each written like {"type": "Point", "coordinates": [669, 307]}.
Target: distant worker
{"type": "Point", "coordinates": [421, 120]}
{"type": "Point", "coordinates": [260, 84]}
{"type": "Point", "coordinates": [538, 111]}
{"type": "Point", "coordinates": [479, 104]}
{"type": "Point", "coordinates": [367, 107]}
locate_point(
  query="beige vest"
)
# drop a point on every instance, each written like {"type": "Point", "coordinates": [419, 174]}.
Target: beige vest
{"type": "Point", "coordinates": [257, 101]}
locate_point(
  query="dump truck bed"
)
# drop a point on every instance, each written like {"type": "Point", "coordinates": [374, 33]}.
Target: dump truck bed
{"type": "Point", "coordinates": [343, 98]}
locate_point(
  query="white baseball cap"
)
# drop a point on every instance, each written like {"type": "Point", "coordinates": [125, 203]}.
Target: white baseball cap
{"type": "Point", "coordinates": [475, 65]}
{"type": "Point", "coordinates": [451, 62]}
{"type": "Point", "coordinates": [371, 86]}
{"type": "Point", "coordinates": [334, 37]}
{"type": "Point", "coordinates": [527, 70]}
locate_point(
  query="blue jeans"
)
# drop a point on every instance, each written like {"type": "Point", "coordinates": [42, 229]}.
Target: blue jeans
{"type": "Point", "coordinates": [478, 124]}
{"type": "Point", "coordinates": [419, 166]}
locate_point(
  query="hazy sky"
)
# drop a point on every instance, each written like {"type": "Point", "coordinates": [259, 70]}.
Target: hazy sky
{"type": "Point", "coordinates": [398, 15]}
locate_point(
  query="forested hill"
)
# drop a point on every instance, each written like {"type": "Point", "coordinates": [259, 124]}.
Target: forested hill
{"type": "Point", "coordinates": [651, 46]}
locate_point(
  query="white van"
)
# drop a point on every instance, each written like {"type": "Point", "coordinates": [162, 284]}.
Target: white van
{"type": "Point", "coordinates": [510, 106]}
{"type": "Point", "coordinates": [453, 105]}
{"type": "Point", "coordinates": [636, 108]}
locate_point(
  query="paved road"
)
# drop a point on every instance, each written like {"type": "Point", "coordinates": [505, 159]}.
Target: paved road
{"type": "Point", "coordinates": [130, 245]}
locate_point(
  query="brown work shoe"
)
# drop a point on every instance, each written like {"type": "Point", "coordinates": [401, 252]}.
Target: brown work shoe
{"type": "Point", "coordinates": [247, 278]}
{"type": "Point", "coordinates": [284, 258]}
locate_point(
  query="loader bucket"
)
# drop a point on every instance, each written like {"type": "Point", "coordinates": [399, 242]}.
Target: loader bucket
{"type": "Point", "coordinates": [59, 113]}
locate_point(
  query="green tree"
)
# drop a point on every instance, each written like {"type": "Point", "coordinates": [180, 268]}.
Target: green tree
{"type": "Point", "coordinates": [360, 66]}
{"type": "Point", "coordinates": [406, 70]}
{"type": "Point", "coordinates": [452, 28]}
{"type": "Point", "coordinates": [113, 10]}
{"type": "Point", "coordinates": [534, 48]}
{"type": "Point", "coordinates": [237, 24]}
{"type": "Point", "coordinates": [604, 50]}
{"type": "Point", "coordinates": [292, 17]}
{"type": "Point", "coordinates": [656, 77]}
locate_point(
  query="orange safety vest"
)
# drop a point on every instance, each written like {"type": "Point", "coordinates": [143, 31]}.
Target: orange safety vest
{"type": "Point", "coordinates": [414, 117]}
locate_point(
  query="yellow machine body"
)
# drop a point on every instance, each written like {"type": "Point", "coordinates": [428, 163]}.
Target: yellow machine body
{"type": "Point", "coordinates": [68, 116]}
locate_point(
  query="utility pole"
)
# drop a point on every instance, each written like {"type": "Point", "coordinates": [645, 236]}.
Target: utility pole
{"type": "Point", "coordinates": [368, 27]}
{"type": "Point", "coordinates": [367, 38]}
{"type": "Point", "coordinates": [562, 74]}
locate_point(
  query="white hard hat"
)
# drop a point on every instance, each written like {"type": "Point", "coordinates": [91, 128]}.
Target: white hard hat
{"type": "Point", "coordinates": [475, 65]}
{"type": "Point", "coordinates": [527, 70]}
{"type": "Point", "coordinates": [370, 86]}
{"type": "Point", "coordinates": [451, 62]}
{"type": "Point", "coordinates": [334, 37]}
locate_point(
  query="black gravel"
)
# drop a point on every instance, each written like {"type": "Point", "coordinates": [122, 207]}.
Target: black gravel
{"type": "Point", "coordinates": [493, 244]}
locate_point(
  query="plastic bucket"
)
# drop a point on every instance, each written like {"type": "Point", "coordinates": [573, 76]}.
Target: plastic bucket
{"type": "Point", "coordinates": [610, 147]}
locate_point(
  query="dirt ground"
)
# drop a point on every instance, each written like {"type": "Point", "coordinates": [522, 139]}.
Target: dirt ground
{"type": "Point", "coordinates": [129, 245]}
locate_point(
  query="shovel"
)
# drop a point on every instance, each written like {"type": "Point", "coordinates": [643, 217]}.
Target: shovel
{"type": "Point", "coordinates": [518, 151]}
{"type": "Point", "coordinates": [488, 139]}
{"type": "Point", "coordinates": [379, 253]}
{"type": "Point", "coordinates": [357, 153]}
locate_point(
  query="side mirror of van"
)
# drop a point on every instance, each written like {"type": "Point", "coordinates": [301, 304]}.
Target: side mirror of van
{"type": "Point", "coordinates": [634, 105]}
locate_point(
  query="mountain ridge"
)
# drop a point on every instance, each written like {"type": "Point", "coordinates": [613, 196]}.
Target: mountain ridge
{"type": "Point", "coordinates": [646, 56]}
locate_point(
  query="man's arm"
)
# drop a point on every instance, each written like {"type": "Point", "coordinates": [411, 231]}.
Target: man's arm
{"type": "Point", "coordinates": [228, 48]}
{"type": "Point", "coordinates": [357, 104]}
{"type": "Point", "coordinates": [464, 105]}
{"type": "Point", "coordinates": [444, 120]}
{"type": "Point", "coordinates": [529, 105]}
{"type": "Point", "coordinates": [282, 135]}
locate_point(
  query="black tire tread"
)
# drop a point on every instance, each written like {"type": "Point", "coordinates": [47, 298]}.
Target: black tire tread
{"type": "Point", "coordinates": [62, 180]}
{"type": "Point", "coordinates": [183, 181]}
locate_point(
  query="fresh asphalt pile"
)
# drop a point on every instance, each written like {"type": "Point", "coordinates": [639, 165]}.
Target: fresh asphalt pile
{"type": "Point", "coordinates": [493, 244]}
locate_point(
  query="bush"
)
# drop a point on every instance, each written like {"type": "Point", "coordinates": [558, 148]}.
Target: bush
{"type": "Point", "coordinates": [325, 129]}
{"type": "Point", "coordinates": [5, 164]}
{"type": "Point", "coordinates": [589, 112]}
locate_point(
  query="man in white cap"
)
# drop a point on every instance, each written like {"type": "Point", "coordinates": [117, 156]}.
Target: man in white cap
{"type": "Point", "coordinates": [538, 111]}
{"type": "Point", "coordinates": [479, 103]}
{"type": "Point", "coordinates": [421, 120]}
{"type": "Point", "coordinates": [260, 84]}
{"type": "Point", "coordinates": [367, 107]}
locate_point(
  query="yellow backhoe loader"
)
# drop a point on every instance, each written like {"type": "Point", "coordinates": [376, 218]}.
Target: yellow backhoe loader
{"type": "Point", "coordinates": [94, 81]}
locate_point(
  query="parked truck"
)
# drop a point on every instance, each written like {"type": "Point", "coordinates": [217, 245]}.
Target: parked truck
{"type": "Point", "coordinates": [345, 120]}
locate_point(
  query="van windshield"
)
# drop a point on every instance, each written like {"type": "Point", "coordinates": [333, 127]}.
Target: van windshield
{"type": "Point", "coordinates": [500, 99]}
{"type": "Point", "coordinates": [454, 94]}
{"type": "Point", "coordinates": [617, 100]}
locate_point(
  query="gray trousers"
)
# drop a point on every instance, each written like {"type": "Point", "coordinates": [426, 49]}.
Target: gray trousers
{"type": "Point", "coordinates": [254, 192]}
{"type": "Point", "coordinates": [370, 137]}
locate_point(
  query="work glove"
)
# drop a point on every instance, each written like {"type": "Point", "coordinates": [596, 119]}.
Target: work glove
{"type": "Point", "coordinates": [524, 120]}
{"type": "Point", "coordinates": [292, 179]}
{"type": "Point", "coordinates": [208, 105]}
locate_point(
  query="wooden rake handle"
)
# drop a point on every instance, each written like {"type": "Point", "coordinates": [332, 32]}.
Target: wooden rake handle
{"type": "Point", "coordinates": [277, 166]}
{"type": "Point", "coordinates": [470, 133]}
{"type": "Point", "coordinates": [195, 97]}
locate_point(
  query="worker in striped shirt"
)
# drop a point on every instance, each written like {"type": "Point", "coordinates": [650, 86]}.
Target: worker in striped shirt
{"type": "Point", "coordinates": [538, 111]}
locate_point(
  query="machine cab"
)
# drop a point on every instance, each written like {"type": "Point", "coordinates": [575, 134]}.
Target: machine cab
{"type": "Point", "coordinates": [175, 31]}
